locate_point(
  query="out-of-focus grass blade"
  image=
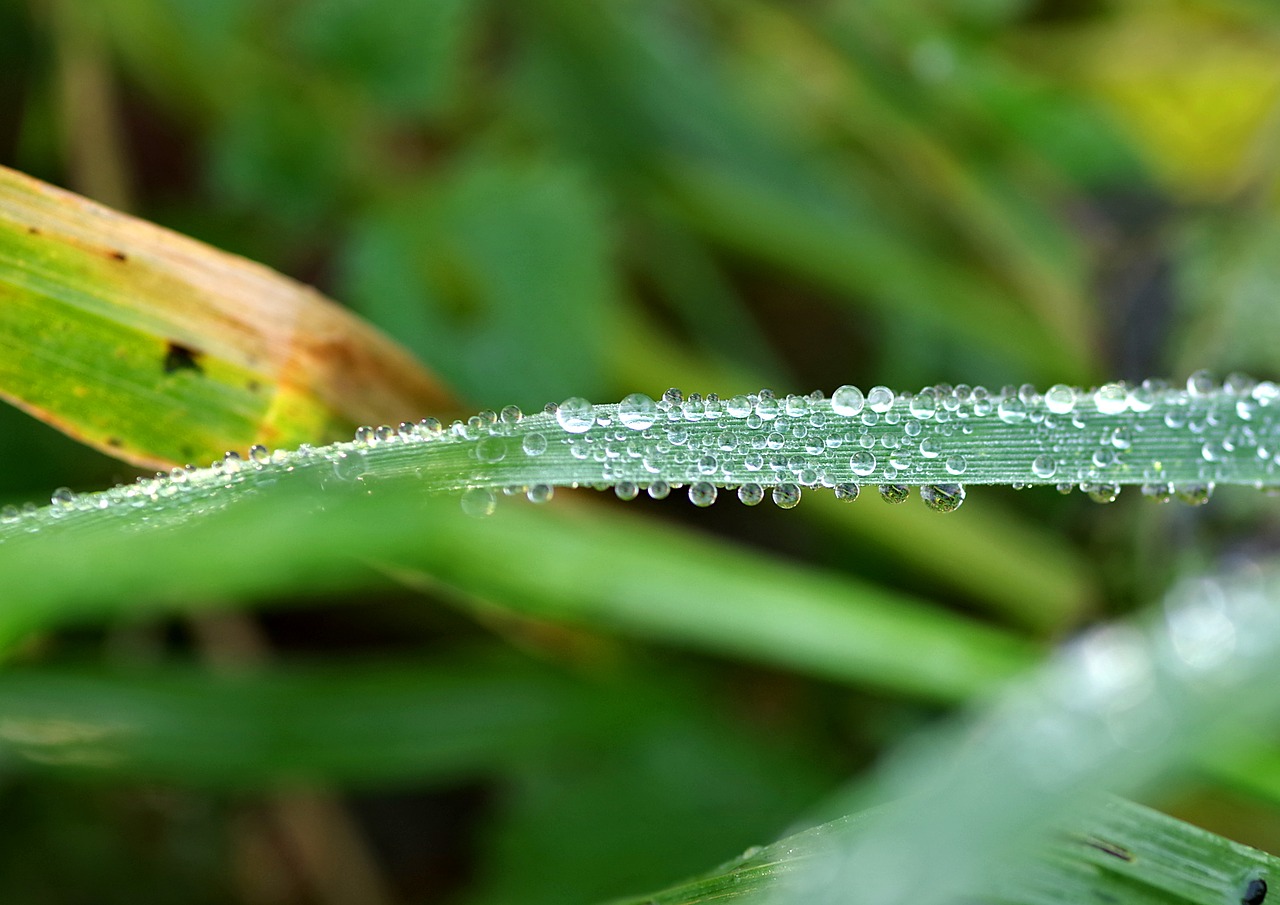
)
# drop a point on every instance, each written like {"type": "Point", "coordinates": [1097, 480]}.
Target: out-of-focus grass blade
{"type": "Point", "coordinates": [357, 723]}
{"type": "Point", "coordinates": [1121, 852]}
{"type": "Point", "coordinates": [160, 350]}
{"type": "Point", "coordinates": [601, 570]}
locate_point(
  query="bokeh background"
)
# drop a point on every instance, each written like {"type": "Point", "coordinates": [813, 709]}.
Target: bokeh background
{"type": "Point", "coordinates": [545, 198]}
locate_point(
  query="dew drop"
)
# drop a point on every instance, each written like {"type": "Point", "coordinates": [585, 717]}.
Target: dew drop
{"type": "Point", "coordinates": [478, 502]}
{"type": "Point", "coordinates": [638, 412]}
{"type": "Point", "coordinates": [1160, 493]}
{"type": "Point", "coordinates": [63, 498]}
{"type": "Point", "coordinates": [943, 497]}
{"type": "Point", "coordinates": [766, 407]}
{"type": "Point", "coordinates": [10, 513]}
{"type": "Point", "coordinates": [848, 491]}
{"type": "Point", "coordinates": [1200, 383]}
{"type": "Point", "coordinates": [540, 493]}
{"type": "Point", "coordinates": [880, 399]}
{"type": "Point", "coordinates": [702, 493]}
{"type": "Point", "coordinates": [1111, 399]}
{"type": "Point", "coordinates": [1060, 399]}
{"type": "Point", "coordinates": [1193, 494]}
{"type": "Point", "coordinates": [575, 415]}
{"type": "Point", "coordinates": [1044, 466]}
{"type": "Point", "coordinates": [659, 490]}
{"type": "Point", "coordinates": [894, 493]}
{"type": "Point", "coordinates": [847, 401]}
{"type": "Point", "coordinates": [232, 462]}
{"type": "Point", "coordinates": [534, 444]}
{"type": "Point", "coordinates": [925, 403]}
{"type": "Point", "coordinates": [957, 465]}
{"type": "Point", "coordinates": [258, 454]}
{"type": "Point", "coordinates": [1012, 410]}
{"type": "Point", "coordinates": [862, 463]}
{"type": "Point", "coordinates": [738, 407]}
{"type": "Point", "coordinates": [930, 448]}
{"type": "Point", "coordinates": [511, 414]}
{"type": "Point", "coordinates": [786, 496]}
{"type": "Point", "coordinates": [626, 490]}
{"type": "Point", "coordinates": [750, 494]}
{"type": "Point", "coordinates": [491, 449]}
{"type": "Point", "coordinates": [1101, 493]}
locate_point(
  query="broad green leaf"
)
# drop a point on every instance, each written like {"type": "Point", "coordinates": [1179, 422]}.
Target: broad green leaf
{"type": "Point", "coordinates": [161, 351]}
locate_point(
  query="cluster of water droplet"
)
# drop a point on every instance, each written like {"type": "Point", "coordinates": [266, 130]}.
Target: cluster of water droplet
{"type": "Point", "coordinates": [1175, 444]}
{"type": "Point", "coordinates": [1172, 442]}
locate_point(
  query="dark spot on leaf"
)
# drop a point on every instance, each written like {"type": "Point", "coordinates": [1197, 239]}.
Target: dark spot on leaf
{"type": "Point", "coordinates": [253, 386]}
{"type": "Point", "coordinates": [178, 357]}
{"type": "Point", "coordinates": [115, 442]}
{"type": "Point", "coordinates": [117, 255]}
{"type": "Point", "coordinates": [33, 230]}
{"type": "Point", "coordinates": [1110, 848]}
{"type": "Point", "coordinates": [1255, 892]}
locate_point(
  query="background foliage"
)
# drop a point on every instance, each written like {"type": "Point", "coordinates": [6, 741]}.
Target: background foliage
{"type": "Point", "coordinates": [551, 198]}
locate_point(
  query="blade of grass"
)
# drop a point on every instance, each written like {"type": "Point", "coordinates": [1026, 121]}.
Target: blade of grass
{"type": "Point", "coordinates": [1120, 852]}
{"type": "Point", "coordinates": [160, 350]}
{"type": "Point", "coordinates": [558, 564]}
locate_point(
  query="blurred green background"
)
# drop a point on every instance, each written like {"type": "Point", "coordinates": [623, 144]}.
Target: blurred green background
{"type": "Point", "coordinates": [548, 198]}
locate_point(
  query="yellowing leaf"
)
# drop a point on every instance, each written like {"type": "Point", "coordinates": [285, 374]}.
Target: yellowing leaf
{"type": "Point", "coordinates": [160, 350]}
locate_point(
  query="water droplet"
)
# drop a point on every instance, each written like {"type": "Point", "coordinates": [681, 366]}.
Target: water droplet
{"type": "Point", "coordinates": [750, 494]}
{"type": "Point", "coordinates": [1193, 494]}
{"type": "Point", "coordinates": [1101, 493]}
{"type": "Point", "coordinates": [534, 444]}
{"type": "Point", "coordinates": [880, 399]}
{"type": "Point", "coordinates": [540, 493]}
{"type": "Point", "coordinates": [1201, 383]}
{"type": "Point", "coordinates": [63, 498]}
{"type": "Point", "coordinates": [930, 448]}
{"type": "Point", "coordinates": [1111, 399]}
{"type": "Point", "coordinates": [232, 463]}
{"type": "Point", "coordinates": [1044, 466]}
{"type": "Point", "coordinates": [258, 454]}
{"type": "Point", "coordinates": [1012, 410]}
{"type": "Point", "coordinates": [10, 513]}
{"type": "Point", "coordinates": [848, 491]}
{"type": "Point", "coordinates": [659, 490]}
{"type": "Point", "coordinates": [1060, 399]}
{"type": "Point", "coordinates": [638, 412]}
{"type": "Point", "coordinates": [738, 407]}
{"type": "Point", "coordinates": [943, 497]}
{"type": "Point", "coordinates": [847, 401]}
{"type": "Point", "coordinates": [786, 496]}
{"type": "Point", "coordinates": [708, 464]}
{"type": "Point", "coordinates": [702, 493]}
{"type": "Point", "coordinates": [511, 414]}
{"type": "Point", "coordinates": [1160, 493]}
{"type": "Point", "coordinates": [575, 415]}
{"type": "Point", "coordinates": [626, 490]}
{"type": "Point", "coordinates": [925, 403]}
{"type": "Point", "coordinates": [766, 407]}
{"type": "Point", "coordinates": [862, 463]}
{"type": "Point", "coordinates": [478, 502]}
{"type": "Point", "coordinates": [796, 406]}
{"type": "Point", "coordinates": [491, 449]}
{"type": "Point", "coordinates": [957, 464]}
{"type": "Point", "coordinates": [894, 493]}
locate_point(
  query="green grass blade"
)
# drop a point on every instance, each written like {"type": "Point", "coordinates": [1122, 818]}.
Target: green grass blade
{"type": "Point", "coordinates": [561, 564]}
{"type": "Point", "coordinates": [160, 350]}
{"type": "Point", "coordinates": [1120, 852]}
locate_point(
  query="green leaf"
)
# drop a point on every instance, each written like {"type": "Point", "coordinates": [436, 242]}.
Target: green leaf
{"type": "Point", "coordinates": [161, 351]}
